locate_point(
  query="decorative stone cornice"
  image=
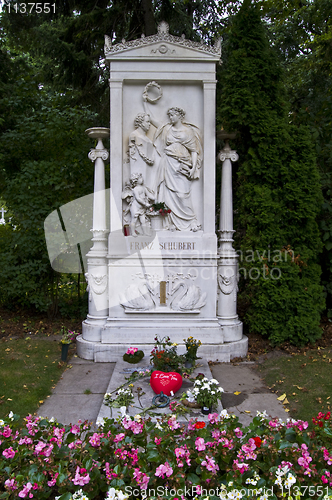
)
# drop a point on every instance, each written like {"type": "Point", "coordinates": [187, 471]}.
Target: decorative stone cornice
{"type": "Point", "coordinates": [98, 153]}
{"type": "Point", "coordinates": [162, 36]}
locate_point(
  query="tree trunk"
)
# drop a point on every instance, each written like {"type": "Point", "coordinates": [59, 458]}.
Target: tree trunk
{"type": "Point", "coordinates": [148, 16]}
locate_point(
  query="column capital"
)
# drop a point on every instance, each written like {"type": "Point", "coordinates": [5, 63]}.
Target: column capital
{"type": "Point", "coordinates": [98, 153]}
{"type": "Point", "coordinates": [228, 153]}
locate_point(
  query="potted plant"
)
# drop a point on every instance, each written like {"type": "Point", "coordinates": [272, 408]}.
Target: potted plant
{"type": "Point", "coordinates": [207, 393]}
{"type": "Point", "coordinates": [192, 346]}
{"type": "Point", "coordinates": [164, 356]}
{"type": "Point", "coordinates": [68, 336]}
{"type": "Point", "coordinates": [133, 355]}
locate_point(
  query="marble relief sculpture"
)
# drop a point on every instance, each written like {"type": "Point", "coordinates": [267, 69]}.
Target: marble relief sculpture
{"type": "Point", "coordinates": [169, 163]}
{"type": "Point", "coordinates": [139, 198]}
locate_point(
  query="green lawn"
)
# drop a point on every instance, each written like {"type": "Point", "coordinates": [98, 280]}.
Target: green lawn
{"type": "Point", "coordinates": [29, 368]}
{"type": "Point", "coordinates": [305, 378]}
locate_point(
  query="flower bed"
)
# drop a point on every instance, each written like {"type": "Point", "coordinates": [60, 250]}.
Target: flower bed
{"type": "Point", "coordinates": [136, 457]}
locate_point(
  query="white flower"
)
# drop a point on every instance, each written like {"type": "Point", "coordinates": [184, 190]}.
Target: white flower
{"type": "Point", "coordinates": [2, 423]}
{"type": "Point", "coordinates": [11, 415]}
{"type": "Point", "coordinates": [79, 495]}
{"type": "Point", "coordinates": [235, 494]}
{"type": "Point", "coordinates": [101, 422]}
{"type": "Point", "coordinates": [214, 381]}
{"type": "Point", "coordinates": [123, 410]}
{"type": "Point", "coordinates": [114, 494]}
{"type": "Point", "coordinates": [224, 414]}
{"type": "Point", "coordinates": [289, 481]}
{"type": "Point", "coordinates": [213, 392]}
{"type": "Point", "coordinates": [111, 494]}
{"type": "Point", "coordinates": [137, 417]}
{"type": "Point", "coordinates": [263, 497]}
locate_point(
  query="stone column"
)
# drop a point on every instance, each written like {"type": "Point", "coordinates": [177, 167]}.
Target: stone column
{"type": "Point", "coordinates": [228, 258]}
{"type": "Point", "coordinates": [96, 275]}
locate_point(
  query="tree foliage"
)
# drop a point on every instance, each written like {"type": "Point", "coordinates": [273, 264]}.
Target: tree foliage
{"type": "Point", "coordinates": [277, 193]}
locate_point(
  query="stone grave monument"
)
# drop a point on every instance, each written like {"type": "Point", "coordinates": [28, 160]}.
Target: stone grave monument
{"type": "Point", "coordinates": [159, 268]}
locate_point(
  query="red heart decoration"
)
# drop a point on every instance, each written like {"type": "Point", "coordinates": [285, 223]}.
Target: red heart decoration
{"type": "Point", "coordinates": [165, 382]}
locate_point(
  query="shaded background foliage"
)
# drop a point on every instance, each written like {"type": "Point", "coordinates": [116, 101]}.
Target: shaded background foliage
{"type": "Point", "coordinates": [274, 88]}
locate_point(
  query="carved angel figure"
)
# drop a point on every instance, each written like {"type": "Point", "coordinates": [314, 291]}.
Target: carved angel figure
{"type": "Point", "coordinates": [139, 198]}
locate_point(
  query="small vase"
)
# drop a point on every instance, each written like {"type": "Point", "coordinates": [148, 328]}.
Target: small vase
{"type": "Point", "coordinates": [206, 410]}
{"type": "Point", "coordinates": [64, 351]}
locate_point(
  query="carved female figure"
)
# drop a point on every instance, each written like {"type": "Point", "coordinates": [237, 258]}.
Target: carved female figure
{"type": "Point", "coordinates": [179, 145]}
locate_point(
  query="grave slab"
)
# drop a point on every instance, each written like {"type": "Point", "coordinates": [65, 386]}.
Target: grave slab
{"type": "Point", "coordinates": [118, 378]}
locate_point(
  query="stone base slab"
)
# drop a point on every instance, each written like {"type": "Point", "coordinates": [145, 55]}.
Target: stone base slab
{"type": "Point", "coordinates": [104, 353]}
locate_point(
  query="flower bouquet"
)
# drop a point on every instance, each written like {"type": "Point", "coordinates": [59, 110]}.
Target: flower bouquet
{"type": "Point", "coordinates": [192, 346]}
{"type": "Point", "coordinates": [164, 356]}
{"type": "Point", "coordinates": [67, 336]}
{"type": "Point", "coordinates": [133, 355]}
{"type": "Point", "coordinates": [123, 397]}
{"type": "Point", "coordinates": [160, 208]}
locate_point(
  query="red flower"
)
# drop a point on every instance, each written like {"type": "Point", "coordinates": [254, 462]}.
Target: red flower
{"type": "Point", "coordinates": [199, 425]}
{"type": "Point", "coordinates": [258, 441]}
{"type": "Point", "coordinates": [327, 416]}
{"type": "Point", "coordinates": [320, 424]}
{"type": "Point", "coordinates": [169, 211]}
{"type": "Point", "coordinates": [161, 211]}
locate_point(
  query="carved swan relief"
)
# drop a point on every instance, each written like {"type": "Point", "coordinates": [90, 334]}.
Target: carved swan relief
{"type": "Point", "coordinates": [189, 298]}
{"type": "Point", "coordinates": [138, 297]}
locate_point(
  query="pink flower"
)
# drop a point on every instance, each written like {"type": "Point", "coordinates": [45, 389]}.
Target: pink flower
{"type": "Point", "coordinates": [173, 423]}
{"type": "Point", "coordinates": [157, 440]}
{"type": "Point", "coordinates": [25, 440]}
{"type": "Point", "coordinates": [242, 467]}
{"type": "Point", "coordinates": [109, 472]}
{"type": "Point", "coordinates": [6, 431]}
{"type": "Point", "coordinates": [26, 488]}
{"type": "Point", "coordinates": [210, 464]}
{"type": "Point", "coordinates": [52, 482]}
{"type": "Point", "coordinates": [75, 444]}
{"type": "Point", "coordinates": [39, 447]}
{"type": "Point", "coordinates": [200, 444]}
{"type": "Point", "coordinates": [324, 479]}
{"type": "Point", "coordinates": [164, 469]}
{"type": "Point", "coordinates": [132, 350]}
{"type": "Point", "coordinates": [75, 429]}
{"type": "Point", "coordinates": [94, 440]}
{"type": "Point", "coordinates": [238, 432]}
{"type": "Point", "coordinates": [11, 484]}
{"type": "Point", "coordinates": [9, 453]}
{"type": "Point", "coordinates": [213, 418]}
{"type": "Point", "coordinates": [81, 477]}
{"type": "Point", "coordinates": [119, 437]}
{"type": "Point", "coordinates": [141, 479]}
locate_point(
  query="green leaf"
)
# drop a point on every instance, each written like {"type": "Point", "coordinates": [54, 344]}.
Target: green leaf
{"type": "Point", "coordinates": [193, 478]}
